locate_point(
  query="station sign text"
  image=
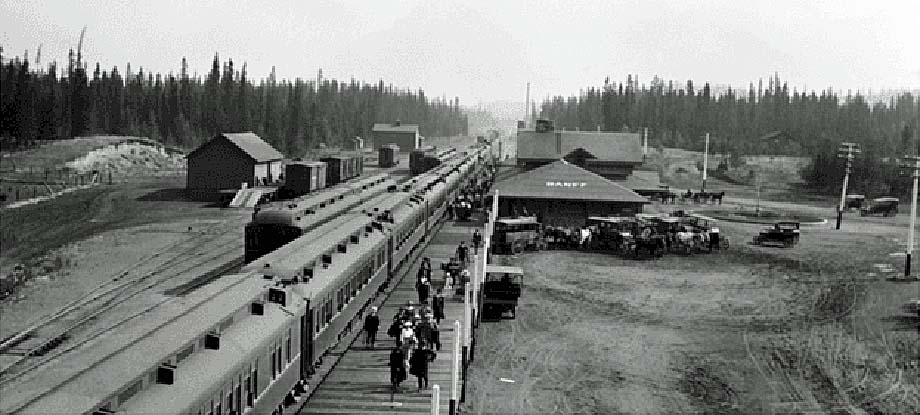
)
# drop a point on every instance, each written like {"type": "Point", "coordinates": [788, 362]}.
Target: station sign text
{"type": "Point", "coordinates": [566, 184]}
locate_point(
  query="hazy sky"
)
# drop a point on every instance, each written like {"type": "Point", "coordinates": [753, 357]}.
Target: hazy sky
{"type": "Point", "coordinates": [488, 50]}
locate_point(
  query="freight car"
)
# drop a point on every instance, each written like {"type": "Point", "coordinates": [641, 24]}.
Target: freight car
{"type": "Point", "coordinates": [388, 155]}
{"type": "Point", "coordinates": [303, 177]}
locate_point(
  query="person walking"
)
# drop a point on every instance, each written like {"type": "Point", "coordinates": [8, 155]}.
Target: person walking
{"type": "Point", "coordinates": [435, 335]}
{"type": "Point", "coordinates": [424, 289]}
{"type": "Point", "coordinates": [477, 240]}
{"type": "Point", "coordinates": [462, 252]}
{"type": "Point", "coordinates": [450, 210]}
{"type": "Point", "coordinates": [426, 267]}
{"type": "Point", "coordinates": [397, 369]}
{"type": "Point", "coordinates": [418, 365]}
{"type": "Point", "coordinates": [371, 324]}
{"type": "Point", "coordinates": [438, 306]}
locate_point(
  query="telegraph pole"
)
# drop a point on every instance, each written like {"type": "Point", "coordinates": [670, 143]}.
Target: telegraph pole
{"type": "Point", "coordinates": [705, 163]}
{"type": "Point", "coordinates": [914, 165]}
{"type": "Point", "coordinates": [846, 151]}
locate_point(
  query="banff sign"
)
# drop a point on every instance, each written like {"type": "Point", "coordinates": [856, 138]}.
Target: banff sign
{"type": "Point", "coordinates": [566, 184]}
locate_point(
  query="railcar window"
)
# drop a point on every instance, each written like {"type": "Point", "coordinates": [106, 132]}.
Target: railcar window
{"type": "Point", "coordinates": [274, 368]}
{"type": "Point", "coordinates": [287, 345]}
{"type": "Point", "coordinates": [280, 362]}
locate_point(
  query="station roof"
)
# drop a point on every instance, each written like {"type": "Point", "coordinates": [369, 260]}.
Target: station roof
{"type": "Point", "coordinates": [561, 180]}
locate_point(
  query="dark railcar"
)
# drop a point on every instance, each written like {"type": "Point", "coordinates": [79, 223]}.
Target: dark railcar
{"type": "Point", "coordinates": [387, 155]}
{"type": "Point", "coordinates": [336, 169]}
{"type": "Point", "coordinates": [302, 177]}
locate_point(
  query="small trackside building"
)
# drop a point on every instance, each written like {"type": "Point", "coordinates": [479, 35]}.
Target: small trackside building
{"type": "Point", "coordinates": [563, 194]}
{"type": "Point", "coordinates": [406, 136]}
{"type": "Point", "coordinates": [230, 159]}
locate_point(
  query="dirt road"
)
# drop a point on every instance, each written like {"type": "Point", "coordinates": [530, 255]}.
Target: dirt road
{"type": "Point", "coordinates": [752, 330]}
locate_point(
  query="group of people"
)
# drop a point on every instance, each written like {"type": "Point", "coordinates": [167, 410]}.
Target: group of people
{"type": "Point", "coordinates": [418, 336]}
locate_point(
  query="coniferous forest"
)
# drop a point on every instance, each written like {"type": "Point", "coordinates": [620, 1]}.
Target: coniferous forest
{"type": "Point", "coordinates": [184, 109]}
{"type": "Point", "coordinates": [764, 120]}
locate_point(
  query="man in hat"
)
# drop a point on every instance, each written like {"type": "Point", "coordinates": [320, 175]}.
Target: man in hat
{"type": "Point", "coordinates": [371, 324]}
{"type": "Point", "coordinates": [477, 240]}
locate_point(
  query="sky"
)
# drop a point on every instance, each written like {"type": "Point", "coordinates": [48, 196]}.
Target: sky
{"type": "Point", "coordinates": [485, 51]}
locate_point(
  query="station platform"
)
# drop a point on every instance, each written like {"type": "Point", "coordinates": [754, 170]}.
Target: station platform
{"type": "Point", "coordinates": [359, 383]}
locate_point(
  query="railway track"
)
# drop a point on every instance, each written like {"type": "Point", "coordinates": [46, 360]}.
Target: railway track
{"type": "Point", "coordinates": [86, 318]}
{"type": "Point", "coordinates": [152, 281]}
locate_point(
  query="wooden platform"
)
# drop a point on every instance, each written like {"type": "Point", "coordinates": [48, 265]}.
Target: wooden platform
{"type": "Point", "coordinates": [359, 383]}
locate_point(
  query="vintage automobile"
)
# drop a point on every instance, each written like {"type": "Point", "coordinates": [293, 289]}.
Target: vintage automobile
{"type": "Point", "coordinates": [501, 288]}
{"type": "Point", "coordinates": [885, 206]}
{"type": "Point", "coordinates": [784, 233]}
{"type": "Point", "coordinates": [514, 235]}
{"type": "Point", "coordinates": [610, 232]}
{"type": "Point", "coordinates": [854, 202]}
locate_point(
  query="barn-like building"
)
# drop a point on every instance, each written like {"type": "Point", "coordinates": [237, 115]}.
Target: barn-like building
{"type": "Point", "coordinates": [230, 159]}
{"type": "Point", "coordinates": [406, 136]}
{"type": "Point", "coordinates": [563, 194]}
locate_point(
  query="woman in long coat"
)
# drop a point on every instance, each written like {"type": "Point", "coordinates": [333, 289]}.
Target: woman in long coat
{"type": "Point", "coordinates": [397, 368]}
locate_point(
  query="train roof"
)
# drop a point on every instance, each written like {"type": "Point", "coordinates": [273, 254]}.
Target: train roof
{"type": "Point", "coordinates": [289, 260]}
{"type": "Point", "coordinates": [82, 379]}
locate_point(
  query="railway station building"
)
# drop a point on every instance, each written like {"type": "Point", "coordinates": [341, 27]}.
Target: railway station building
{"type": "Point", "coordinates": [230, 159]}
{"type": "Point", "coordinates": [563, 194]}
{"type": "Point", "coordinates": [406, 136]}
{"type": "Point", "coordinates": [613, 155]}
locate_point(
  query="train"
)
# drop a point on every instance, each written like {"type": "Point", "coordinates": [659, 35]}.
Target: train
{"type": "Point", "coordinates": [246, 341]}
{"type": "Point", "coordinates": [278, 223]}
{"type": "Point", "coordinates": [428, 157]}
{"type": "Point", "coordinates": [317, 287]}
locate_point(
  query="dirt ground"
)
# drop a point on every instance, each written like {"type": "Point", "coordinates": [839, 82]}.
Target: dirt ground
{"type": "Point", "coordinates": [751, 330]}
{"type": "Point", "coordinates": [69, 245]}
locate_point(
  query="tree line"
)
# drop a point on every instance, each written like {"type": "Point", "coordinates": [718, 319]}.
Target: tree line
{"type": "Point", "coordinates": [773, 120]}
{"type": "Point", "coordinates": [182, 110]}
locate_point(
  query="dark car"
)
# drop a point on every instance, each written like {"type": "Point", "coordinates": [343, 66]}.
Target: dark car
{"type": "Point", "coordinates": [784, 233]}
{"type": "Point", "coordinates": [885, 206]}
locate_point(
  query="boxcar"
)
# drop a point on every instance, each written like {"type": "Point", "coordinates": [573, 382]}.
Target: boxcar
{"type": "Point", "coordinates": [302, 177]}
{"type": "Point", "coordinates": [387, 155]}
{"type": "Point", "coordinates": [336, 169]}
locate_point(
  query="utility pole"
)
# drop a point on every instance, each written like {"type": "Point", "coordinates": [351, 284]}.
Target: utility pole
{"type": "Point", "coordinates": [705, 163]}
{"type": "Point", "coordinates": [913, 165]}
{"type": "Point", "coordinates": [846, 151]}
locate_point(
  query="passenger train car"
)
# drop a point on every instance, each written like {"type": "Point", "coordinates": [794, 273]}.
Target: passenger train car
{"type": "Point", "coordinates": [280, 222]}
{"type": "Point", "coordinates": [243, 343]}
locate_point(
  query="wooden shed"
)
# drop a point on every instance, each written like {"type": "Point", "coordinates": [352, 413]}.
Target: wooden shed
{"type": "Point", "coordinates": [230, 159]}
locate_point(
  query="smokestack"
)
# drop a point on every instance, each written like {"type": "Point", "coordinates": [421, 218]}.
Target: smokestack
{"type": "Point", "coordinates": [645, 143]}
{"type": "Point", "coordinates": [527, 107]}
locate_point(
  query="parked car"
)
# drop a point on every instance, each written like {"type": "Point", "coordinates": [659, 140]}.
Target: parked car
{"type": "Point", "coordinates": [885, 206]}
{"type": "Point", "coordinates": [855, 202]}
{"type": "Point", "coordinates": [784, 233]}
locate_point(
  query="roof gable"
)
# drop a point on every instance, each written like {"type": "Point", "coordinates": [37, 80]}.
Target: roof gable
{"type": "Point", "coordinates": [561, 180]}
{"type": "Point", "coordinates": [253, 146]}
